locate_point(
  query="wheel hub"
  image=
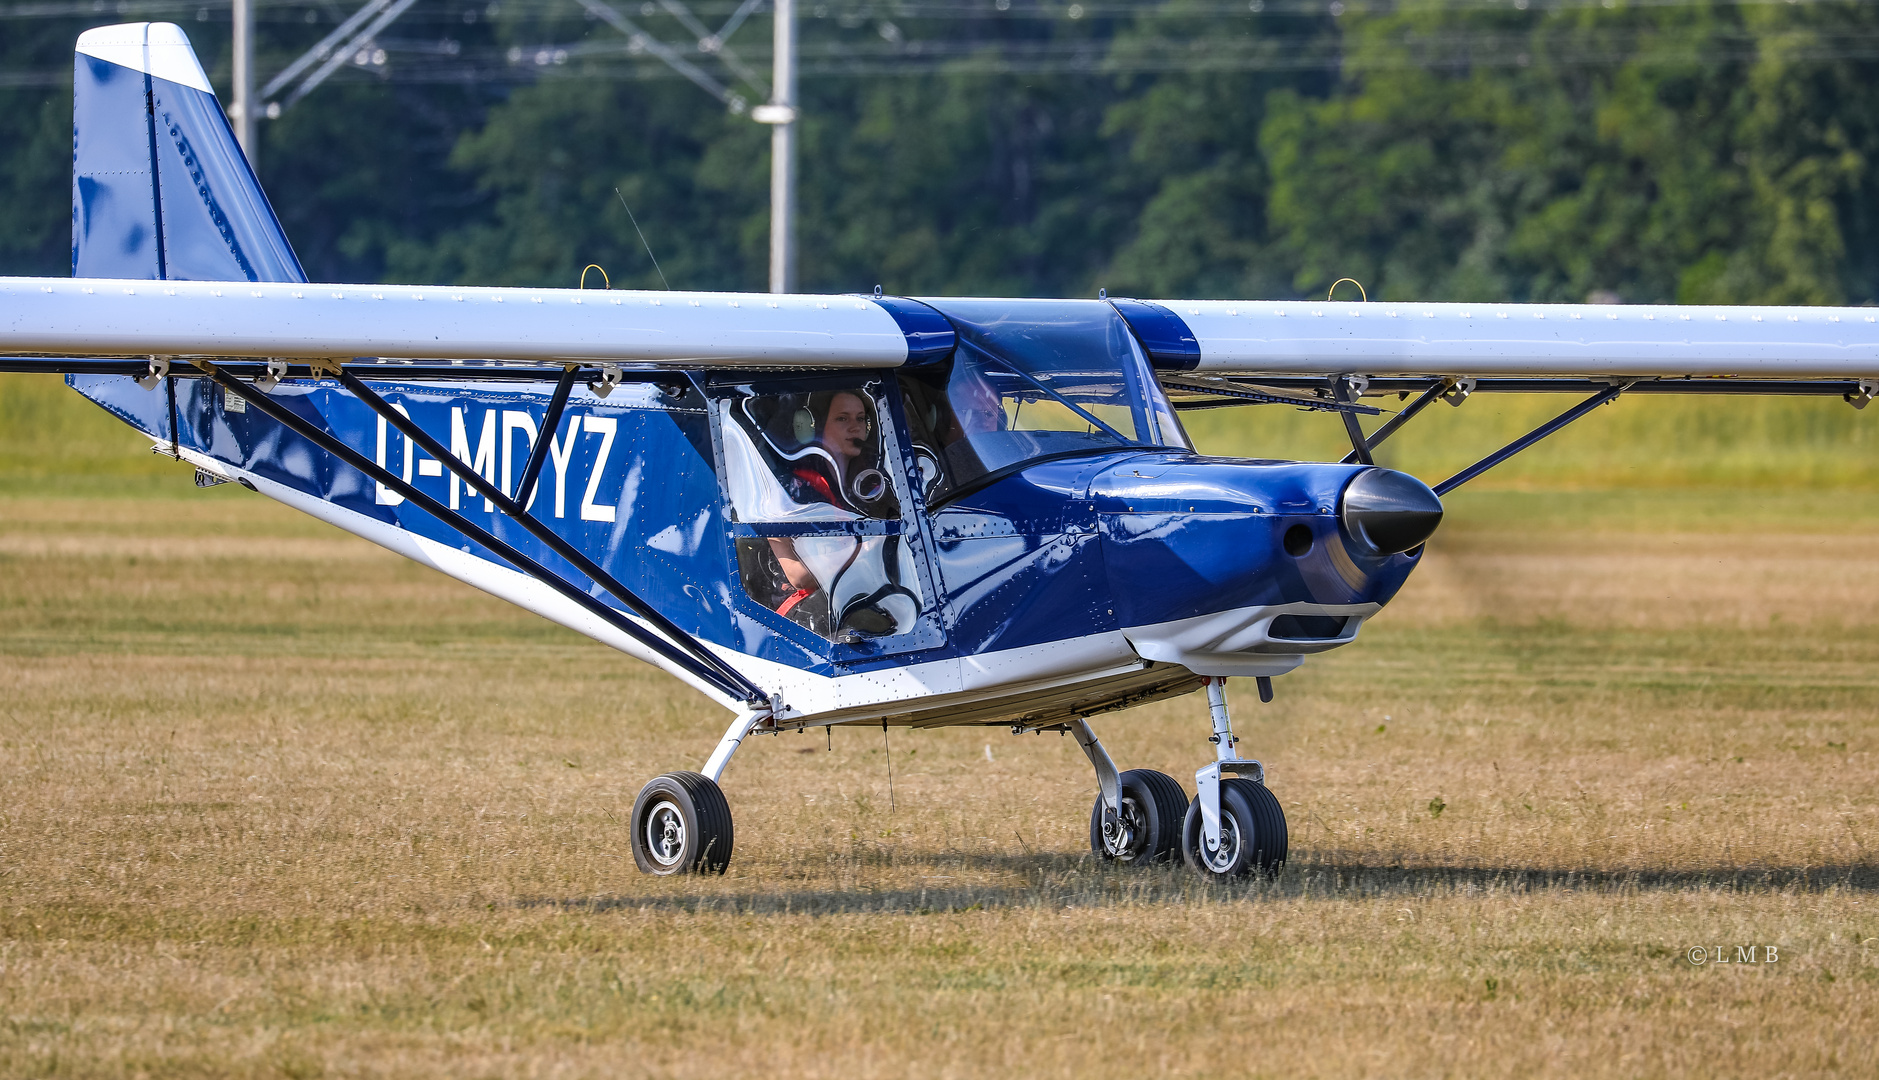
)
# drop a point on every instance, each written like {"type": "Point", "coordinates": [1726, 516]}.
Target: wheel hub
{"type": "Point", "coordinates": [1121, 830]}
{"type": "Point", "coordinates": [1221, 859]}
{"type": "Point", "coordinates": [665, 833]}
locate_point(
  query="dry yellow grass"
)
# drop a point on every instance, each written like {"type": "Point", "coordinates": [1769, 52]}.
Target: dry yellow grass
{"type": "Point", "coordinates": [273, 803]}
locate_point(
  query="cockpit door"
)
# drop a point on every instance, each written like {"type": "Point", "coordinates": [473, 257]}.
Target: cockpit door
{"type": "Point", "coordinates": [828, 549]}
{"type": "Point", "coordinates": [1037, 397]}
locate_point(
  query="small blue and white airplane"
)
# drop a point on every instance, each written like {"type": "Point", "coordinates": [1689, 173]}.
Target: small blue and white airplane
{"type": "Point", "coordinates": [821, 510]}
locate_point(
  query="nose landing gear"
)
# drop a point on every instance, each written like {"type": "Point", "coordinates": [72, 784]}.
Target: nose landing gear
{"type": "Point", "coordinates": [1252, 832]}
{"type": "Point", "coordinates": [1235, 825]}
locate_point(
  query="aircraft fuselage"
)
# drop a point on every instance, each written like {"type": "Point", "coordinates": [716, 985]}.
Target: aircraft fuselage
{"type": "Point", "coordinates": [1083, 581]}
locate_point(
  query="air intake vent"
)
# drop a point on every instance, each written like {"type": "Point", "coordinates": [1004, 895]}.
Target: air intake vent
{"type": "Point", "coordinates": [1309, 627]}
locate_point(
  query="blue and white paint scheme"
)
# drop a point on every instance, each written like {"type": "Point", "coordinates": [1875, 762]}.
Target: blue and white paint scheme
{"type": "Point", "coordinates": [823, 510]}
{"type": "Point", "coordinates": [160, 189]}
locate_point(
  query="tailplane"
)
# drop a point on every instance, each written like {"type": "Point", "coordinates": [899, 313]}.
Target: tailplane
{"type": "Point", "coordinates": [160, 188]}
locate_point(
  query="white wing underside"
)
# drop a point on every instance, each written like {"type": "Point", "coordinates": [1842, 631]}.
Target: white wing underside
{"type": "Point", "coordinates": [100, 318]}
{"type": "Point", "coordinates": [111, 317]}
{"type": "Point", "coordinates": [1633, 341]}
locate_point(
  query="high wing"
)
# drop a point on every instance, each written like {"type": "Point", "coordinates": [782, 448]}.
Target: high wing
{"type": "Point", "coordinates": [176, 253]}
{"type": "Point", "coordinates": [1193, 343]}
{"type": "Point", "coordinates": [1525, 340]}
{"type": "Point", "coordinates": [83, 317]}
{"type": "Point", "coordinates": [1325, 355]}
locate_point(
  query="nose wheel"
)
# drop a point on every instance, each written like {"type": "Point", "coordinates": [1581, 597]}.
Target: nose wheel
{"type": "Point", "coordinates": [681, 823]}
{"type": "Point", "coordinates": [1252, 832]}
{"type": "Point", "coordinates": [1234, 826]}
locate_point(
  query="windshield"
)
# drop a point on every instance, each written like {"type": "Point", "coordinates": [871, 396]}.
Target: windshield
{"type": "Point", "coordinates": [1029, 380]}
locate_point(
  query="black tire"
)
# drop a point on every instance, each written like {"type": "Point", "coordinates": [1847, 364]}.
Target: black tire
{"type": "Point", "coordinates": [1272, 839]}
{"type": "Point", "coordinates": [1153, 806]}
{"type": "Point", "coordinates": [1253, 834]}
{"type": "Point", "coordinates": [681, 824]}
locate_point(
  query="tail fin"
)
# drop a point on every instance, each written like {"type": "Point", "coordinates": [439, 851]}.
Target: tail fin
{"type": "Point", "coordinates": [160, 188]}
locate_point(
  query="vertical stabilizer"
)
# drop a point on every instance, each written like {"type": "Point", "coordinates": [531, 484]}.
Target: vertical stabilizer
{"type": "Point", "coordinates": [160, 188]}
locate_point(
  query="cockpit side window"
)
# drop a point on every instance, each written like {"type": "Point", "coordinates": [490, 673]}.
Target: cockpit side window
{"type": "Point", "coordinates": [813, 468]}
{"type": "Point", "coordinates": [1162, 423]}
{"type": "Point", "coordinates": [805, 453]}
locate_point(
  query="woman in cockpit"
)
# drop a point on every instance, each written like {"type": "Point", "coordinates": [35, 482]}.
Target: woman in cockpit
{"type": "Point", "coordinates": [843, 426]}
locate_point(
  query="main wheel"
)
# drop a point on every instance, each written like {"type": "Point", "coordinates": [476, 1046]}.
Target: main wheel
{"type": "Point", "coordinates": [1252, 832]}
{"type": "Point", "coordinates": [681, 823]}
{"type": "Point", "coordinates": [1147, 830]}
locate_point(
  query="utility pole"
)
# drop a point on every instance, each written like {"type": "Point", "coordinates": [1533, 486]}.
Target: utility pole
{"type": "Point", "coordinates": [780, 114]}
{"type": "Point", "coordinates": [244, 113]}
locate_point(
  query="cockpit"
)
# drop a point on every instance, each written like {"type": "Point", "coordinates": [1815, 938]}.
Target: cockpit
{"type": "Point", "coordinates": [823, 474]}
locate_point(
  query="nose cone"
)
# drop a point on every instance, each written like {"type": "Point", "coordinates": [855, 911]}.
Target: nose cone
{"type": "Point", "coordinates": [1389, 511]}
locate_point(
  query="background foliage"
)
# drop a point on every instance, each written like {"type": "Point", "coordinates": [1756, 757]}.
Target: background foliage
{"type": "Point", "coordinates": [1688, 152]}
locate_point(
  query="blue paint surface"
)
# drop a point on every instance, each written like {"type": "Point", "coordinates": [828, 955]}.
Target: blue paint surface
{"type": "Point", "coordinates": [1165, 337]}
{"type": "Point", "coordinates": [1061, 549]}
{"type": "Point", "coordinates": [634, 493]}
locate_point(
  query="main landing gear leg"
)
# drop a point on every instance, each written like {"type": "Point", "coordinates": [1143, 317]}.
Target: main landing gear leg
{"type": "Point", "coordinates": [1137, 813]}
{"type": "Point", "coordinates": [1234, 826]}
{"type": "Point", "coordinates": [681, 821]}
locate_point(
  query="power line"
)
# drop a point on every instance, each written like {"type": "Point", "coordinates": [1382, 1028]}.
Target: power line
{"type": "Point", "coordinates": [865, 13]}
{"type": "Point", "coordinates": [383, 19]}
{"type": "Point", "coordinates": [553, 62]}
{"type": "Point", "coordinates": [323, 49]}
{"type": "Point", "coordinates": [1252, 54]}
{"type": "Point", "coordinates": [715, 45]}
{"type": "Point", "coordinates": [641, 55]}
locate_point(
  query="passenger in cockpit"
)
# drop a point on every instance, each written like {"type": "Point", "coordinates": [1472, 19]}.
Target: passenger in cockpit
{"type": "Point", "coordinates": [819, 463]}
{"type": "Point", "coordinates": [843, 425]}
{"type": "Point", "coordinates": [945, 424]}
{"type": "Point", "coordinates": [975, 409]}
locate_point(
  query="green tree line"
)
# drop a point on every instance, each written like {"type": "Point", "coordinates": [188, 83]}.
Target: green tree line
{"type": "Point", "coordinates": [1544, 150]}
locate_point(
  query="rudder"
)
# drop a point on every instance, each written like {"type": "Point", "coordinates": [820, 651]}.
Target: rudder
{"type": "Point", "coordinates": [160, 188]}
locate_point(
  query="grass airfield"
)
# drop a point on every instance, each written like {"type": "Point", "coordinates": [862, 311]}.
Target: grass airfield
{"type": "Point", "coordinates": [276, 803]}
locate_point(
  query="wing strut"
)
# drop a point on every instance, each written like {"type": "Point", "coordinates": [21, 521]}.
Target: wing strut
{"type": "Point", "coordinates": [551, 423]}
{"type": "Point", "coordinates": [716, 674]}
{"type": "Point", "coordinates": [1347, 389]}
{"type": "Point", "coordinates": [724, 674]}
{"type": "Point", "coordinates": [1610, 393]}
{"type": "Point", "coordinates": [1428, 397]}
